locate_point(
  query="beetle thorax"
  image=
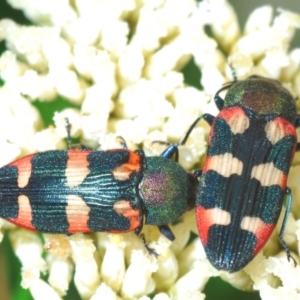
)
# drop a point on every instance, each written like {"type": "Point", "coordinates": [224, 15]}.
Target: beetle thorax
{"type": "Point", "coordinates": [263, 96]}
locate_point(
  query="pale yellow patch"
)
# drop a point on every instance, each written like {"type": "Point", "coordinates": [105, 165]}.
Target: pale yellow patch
{"type": "Point", "coordinates": [225, 164]}
{"type": "Point", "coordinates": [77, 167]}
{"type": "Point", "coordinates": [24, 217]}
{"type": "Point", "coordinates": [77, 214]}
{"type": "Point", "coordinates": [24, 176]}
{"type": "Point", "coordinates": [267, 174]}
{"type": "Point", "coordinates": [274, 132]}
{"type": "Point", "coordinates": [238, 124]}
{"type": "Point", "coordinates": [24, 167]}
{"type": "Point", "coordinates": [25, 211]}
{"type": "Point", "coordinates": [252, 224]}
{"type": "Point", "coordinates": [218, 216]}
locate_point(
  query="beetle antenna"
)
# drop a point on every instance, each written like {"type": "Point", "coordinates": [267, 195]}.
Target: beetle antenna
{"type": "Point", "coordinates": [68, 128]}
{"type": "Point", "coordinates": [233, 72]}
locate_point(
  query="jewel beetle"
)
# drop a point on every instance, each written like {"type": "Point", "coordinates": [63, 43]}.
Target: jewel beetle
{"type": "Point", "coordinates": [243, 182]}
{"type": "Point", "coordinates": [78, 190]}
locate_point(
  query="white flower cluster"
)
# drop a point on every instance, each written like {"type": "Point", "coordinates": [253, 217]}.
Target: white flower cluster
{"type": "Point", "coordinates": [119, 60]}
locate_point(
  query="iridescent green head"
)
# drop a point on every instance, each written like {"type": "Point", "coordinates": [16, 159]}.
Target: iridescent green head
{"type": "Point", "coordinates": [263, 95]}
{"type": "Point", "coordinates": [167, 191]}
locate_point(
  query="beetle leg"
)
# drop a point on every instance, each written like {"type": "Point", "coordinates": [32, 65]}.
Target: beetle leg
{"type": "Point", "coordinates": [297, 122]}
{"type": "Point", "coordinates": [150, 250]}
{"type": "Point", "coordinates": [197, 174]}
{"type": "Point", "coordinates": [233, 73]}
{"type": "Point", "coordinates": [218, 99]}
{"type": "Point", "coordinates": [78, 147]}
{"type": "Point", "coordinates": [122, 142]}
{"type": "Point", "coordinates": [68, 128]}
{"type": "Point", "coordinates": [142, 236]}
{"type": "Point", "coordinates": [297, 125]}
{"type": "Point", "coordinates": [173, 148]}
{"type": "Point", "coordinates": [219, 102]}
{"type": "Point", "coordinates": [288, 192]}
{"type": "Point", "coordinates": [170, 151]}
{"type": "Point", "coordinates": [166, 231]}
{"type": "Point", "coordinates": [207, 117]}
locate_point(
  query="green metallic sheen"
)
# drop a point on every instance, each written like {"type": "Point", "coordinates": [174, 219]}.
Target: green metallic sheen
{"type": "Point", "coordinates": [263, 95]}
{"type": "Point", "coordinates": [164, 186]}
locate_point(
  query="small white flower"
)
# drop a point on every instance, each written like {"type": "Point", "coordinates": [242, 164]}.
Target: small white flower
{"type": "Point", "coordinates": [105, 292]}
{"type": "Point", "coordinates": [29, 249]}
{"type": "Point", "coordinates": [113, 263]}
{"type": "Point", "coordinates": [118, 64]}
{"type": "Point", "coordinates": [138, 277]}
{"type": "Point", "coordinates": [86, 275]}
{"type": "Point", "coordinates": [41, 290]}
{"type": "Point", "coordinates": [60, 273]}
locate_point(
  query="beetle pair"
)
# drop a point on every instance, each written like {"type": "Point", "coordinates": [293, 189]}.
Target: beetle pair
{"type": "Point", "coordinates": [240, 195]}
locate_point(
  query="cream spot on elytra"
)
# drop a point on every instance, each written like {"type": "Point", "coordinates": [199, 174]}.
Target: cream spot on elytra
{"type": "Point", "coordinates": [77, 168]}
{"type": "Point", "coordinates": [224, 164]}
{"type": "Point", "coordinates": [209, 217]}
{"type": "Point", "coordinates": [77, 212]}
{"type": "Point", "coordinates": [236, 119]}
{"type": "Point", "coordinates": [267, 174]}
{"type": "Point", "coordinates": [24, 167]}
